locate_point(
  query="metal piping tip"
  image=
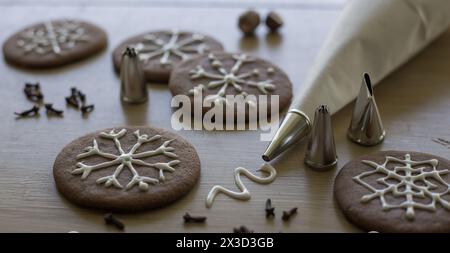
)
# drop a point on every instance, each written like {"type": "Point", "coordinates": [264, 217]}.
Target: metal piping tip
{"type": "Point", "coordinates": [321, 151]}
{"type": "Point", "coordinates": [366, 127]}
{"type": "Point", "coordinates": [295, 127]}
{"type": "Point", "coordinates": [132, 79]}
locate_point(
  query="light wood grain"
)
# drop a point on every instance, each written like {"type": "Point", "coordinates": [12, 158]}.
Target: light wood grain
{"type": "Point", "coordinates": [414, 104]}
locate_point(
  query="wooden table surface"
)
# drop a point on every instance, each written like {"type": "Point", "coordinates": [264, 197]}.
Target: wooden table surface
{"type": "Point", "coordinates": [414, 104]}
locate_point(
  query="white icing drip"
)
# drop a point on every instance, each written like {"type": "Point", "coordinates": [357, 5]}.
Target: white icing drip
{"type": "Point", "coordinates": [224, 79]}
{"type": "Point", "coordinates": [127, 160]}
{"type": "Point", "coordinates": [153, 46]}
{"type": "Point", "coordinates": [407, 176]}
{"type": "Point", "coordinates": [244, 194]}
{"type": "Point", "coordinates": [52, 38]}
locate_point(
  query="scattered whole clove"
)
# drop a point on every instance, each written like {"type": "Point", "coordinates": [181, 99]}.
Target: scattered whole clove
{"type": "Point", "coordinates": [35, 96]}
{"type": "Point", "coordinates": [73, 91]}
{"type": "Point", "coordinates": [84, 108]}
{"type": "Point", "coordinates": [28, 113]}
{"type": "Point", "coordinates": [110, 219]}
{"type": "Point", "coordinates": [248, 22]}
{"type": "Point", "coordinates": [31, 86]}
{"type": "Point", "coordinates": [270, 211]}
{"type": "Point", "coordinates": [73, 101]}
{"type": "Point", "coordinates": [288, 214]}
{"type": "Point", "coordinates": [242, 230]}
{"type": "Point", "coordinates": [77, 99]}
{"type": "Point", "coordinates": [442, 142]}
{"type": "Point", "coordinates": [33, 91]}
{"type": "Point", "coordinates": [274, 21]}
{"type": "Point", "coordinates": [52, 111]}
{"type": "Point", "coordinates": [87, 108]}
{"type": "Point", "coordinates": [193, 219]}
{"type": "Point", "coordinates": [81, 96]}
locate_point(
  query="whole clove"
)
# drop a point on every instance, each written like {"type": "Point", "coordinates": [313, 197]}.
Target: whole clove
{"type": "Point", "coordinates": [30, 88]}
{"type": "Point", "coordinates": [288, 214]}
{"type": "Point", "coordinates": [73, 91]}
{"type": "Point", "coordinates": [77, 99]}
{"type": "Point", "coordinates": [442, 142]}
{"type": "Point", "coordinates": [49, 109]}
{"type": "Point", "coordinates": [73, 101]}
{"type": "Point", "coordinates": [274, 21]}
{"type": "Point", "coordinates": [81, 96]}
{"type": "Point", "coordinates": [193, 219]}
{"type": "Point", "coordinates": [36, 85]}
{"type": "Point", "coordinates": [87, 108]}
{"type": "Point", "coordinates": [242, 230]}
{"type": "Point", "coordinates": [33, 92]}
{"type": "Point", "coordinates": [248, 22]}
{"type": "Point", "coordinates": [110, 219]}
{"type": "Point", "coordinates": [28, 113]}
{"type": "Point", "coordinates": [270, 211]}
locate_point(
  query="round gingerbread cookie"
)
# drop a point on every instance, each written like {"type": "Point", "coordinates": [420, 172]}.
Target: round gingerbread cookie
{"type": "Point", "coordinates": [396, 191]}
{"type": "Point", "coordinates": [161, 51]}
{"type": "Point", "coordinates": [54, 43]}
{"type": "Point", "coordinates": [126, 169]}
{"type": "Point", "coordinates": [216, 75]}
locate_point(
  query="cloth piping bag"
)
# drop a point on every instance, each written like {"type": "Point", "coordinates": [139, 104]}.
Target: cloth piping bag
{"type": "Point", "coordinates": [370, 36]}
{"type": "Point", "coordinates": [373, 36]}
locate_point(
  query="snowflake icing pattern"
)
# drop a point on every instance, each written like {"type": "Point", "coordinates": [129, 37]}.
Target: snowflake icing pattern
{"type": "Point", "coordinates": [52, 38]}
{"type": "Point", "coordinates": [406, 186]}
{"type": "Point", "coordinates": [127, 160]}
{"type": "Point", "coordinates": [152, 47]}
{"type": "Point", "coordinates": [232, 78]}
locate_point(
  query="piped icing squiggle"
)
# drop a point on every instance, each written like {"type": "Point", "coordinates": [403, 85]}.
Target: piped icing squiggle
{"type": "Point", "coordinates": [244, 194]}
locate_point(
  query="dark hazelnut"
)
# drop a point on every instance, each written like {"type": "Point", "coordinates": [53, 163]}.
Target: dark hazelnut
{"type": "Point", "coordinates": [274, 21]}
{"type": "Point", "coordinates": [249, 21]}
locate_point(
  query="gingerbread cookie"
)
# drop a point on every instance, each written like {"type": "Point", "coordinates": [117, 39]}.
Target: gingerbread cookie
{"type": "Point", "coordinates": [161, 51]}
{"type": "Point", "coordinates": [54, 43]}
{"type": "Point", "coordinates": [218, 74]}
{"type": "Point", "coordinates": [126, 169]}
{"type": "Point", "coordinates": [396, 191]}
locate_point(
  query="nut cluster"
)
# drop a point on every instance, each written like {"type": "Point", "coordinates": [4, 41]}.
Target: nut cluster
{"type": "Point", "coordinates": [249, 21]}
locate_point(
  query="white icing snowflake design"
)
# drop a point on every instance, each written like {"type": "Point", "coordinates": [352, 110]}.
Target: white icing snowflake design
{"type": "Point", "coordinates": [229, 78]}
{"type": "Point", "coordinates": [52, 38]}
{"type": "Point", "coordinates": [153, 46]}
{"type": "Point", "coordinates": [411, 181]}
{"type": "Point", "coordinates": [127, 159]}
